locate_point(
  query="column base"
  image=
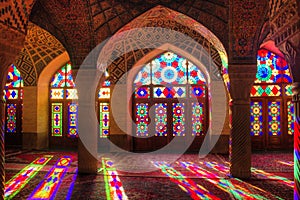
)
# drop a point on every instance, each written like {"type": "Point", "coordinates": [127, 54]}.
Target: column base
{"type": "Point", "coordinates": [240, 173]}
{"type": "Point", "coordinates": [87, 163]}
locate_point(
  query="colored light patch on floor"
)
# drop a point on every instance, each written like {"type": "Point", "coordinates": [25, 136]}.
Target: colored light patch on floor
{"type": "Point", "coordinates": [48, 187]}
{"type": "Point", "coordinates": [266, 175]}
{"type": "Point", "coordinates": [224, 184]}
{"type": "Point", "coordinates": [15, 184]}
{"type": "Point", "coordinates": [194, 190]}
{"type": "Point", "coordinates": [235, 181]}
{"type": "Point", "coordinates": [217, 167]}
{"type": "Point", "coordinates": [289, 163]}
{"type": "Point", "coordinates": [113, 185]}
{"type": "Point", "coordinates": [69, 195]}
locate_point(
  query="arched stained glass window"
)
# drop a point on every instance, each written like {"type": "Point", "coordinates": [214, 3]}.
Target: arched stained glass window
{"type": "Point", "coordinates": [271, 102]}
{"type": "Point", "coordinates": [14, 84]}
{"type": "Point", "coordinates": [13, 96]}
{"type": "Point", "coordinates": [159, 84]}
{"type": "Point", "coordinates": [63, 108]}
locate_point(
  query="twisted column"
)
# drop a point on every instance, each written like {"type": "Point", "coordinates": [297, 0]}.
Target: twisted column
{"type": "Point", "coordinates": [296, 101]}
{"type": "Point", "coordinates": [240, 139]}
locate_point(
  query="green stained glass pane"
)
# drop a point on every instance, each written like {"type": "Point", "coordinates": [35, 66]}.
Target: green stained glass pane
{"type": "Point", "coordinates": [288, 90]}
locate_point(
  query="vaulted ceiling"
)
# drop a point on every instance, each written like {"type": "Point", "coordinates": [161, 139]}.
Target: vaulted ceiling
{"type": "Point", "coordinates": [81, 25]}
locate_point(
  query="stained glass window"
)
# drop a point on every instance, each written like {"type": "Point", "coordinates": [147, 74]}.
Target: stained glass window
{"type": "Point", "coordinates": [63, 77]}
{"type": "Point", "coordinates": [256, 119]}
{"type": "Point", "coordinates": [142, 92]}
{"type": "Point", "coordinates": [14, 79]}
{"type": "Point", "coordinates": [271, 68]}
{"type": "Point", "coordinates": [104, 119]}
{"type": "Point", "coordinates": [195, 76]}
{"type": "Point", "coordinates": [142, 119]}
{"type": "Point", "coordinates": [104, 93]}
{"type": "Point", "coordinates": [169, 92]}
{"type": "Point", "coordinates": [271, 89]}
{"type": "Point", "coordinates": [57, 110]}
{"type": "Point", "coordinates": [159, 83]}
{"type": "Point", "coordinates": [13, 95]}
{"type": "Point", "coordinates": [143, 77]}
{"type": "Point", "coordinates": [14, 84]}
{"type": "Point", "coordinates": [197, 91]}
{"type": "Point", "coordinates": [71, 94]}
{"type": "Point", "coordinates": [72, 116]}
{"type": "Point", "coordinates": [274, 123]}
{"type": "Point", "coordinates": [197, 118]}
{"type": "Point", "coordinates": [11, 118]}
{"type": "Point", "coordinates": [288, 90]}
{"type": "Point", "coordinates": [64, 112]}
{"type": "Point", "coordinates": [169, 68]}
{"type": "Point", "coordinates": [104, 108]}
{"type": "Point", "coordinates": [57, 93]}
{"type": "Point", "coordinates": [161, 119]}
{"type": "Point", "coordinates": [265, 91]}
{"type": "Point", "coordinates": [178, 119]}
{"type": "Point", "coordinates": [291, 120]}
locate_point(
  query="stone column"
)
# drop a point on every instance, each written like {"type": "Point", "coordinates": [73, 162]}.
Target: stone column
{"type": "Point", "coordinates": [241, 81]}
{"type": "Point", "coordinates": [87, 121]}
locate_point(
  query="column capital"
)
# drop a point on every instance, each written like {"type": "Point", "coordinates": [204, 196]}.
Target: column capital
{"type": "Point", "coordinates": [241, 80]}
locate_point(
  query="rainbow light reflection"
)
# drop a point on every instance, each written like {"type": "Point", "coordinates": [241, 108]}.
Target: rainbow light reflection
{"type": "Point", "coordinates": [226, 185]}
{"type": "Point", "coordinates": [224, 170]}
{"type": "Point", "coordinates": [113, 185]}
{"type": "Point", "coordinates": [266, 175]}
{"type": "Point", "coordinates": [263, 174]}
{"type": "Point", "coordinates": [15, 184]}
{"type": "Point", "coordinates": [194, 190]}
{"type": "Point", "coordinates": [69, 195]}
{"type": "Point", "coordinates": [48, 187]}
{"type": "Point", "coordinates": [288, 163]}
